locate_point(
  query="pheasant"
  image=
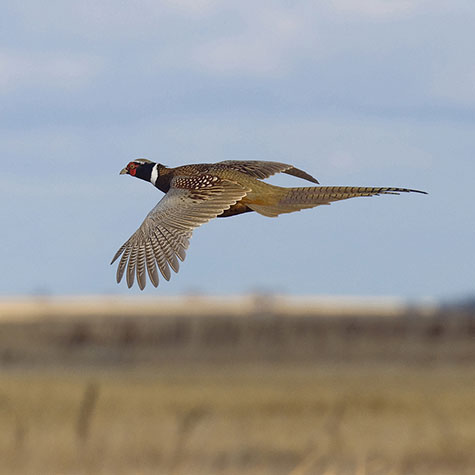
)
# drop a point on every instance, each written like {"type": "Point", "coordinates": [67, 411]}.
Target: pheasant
{"type": "Point", "coordinates": [196, 193]}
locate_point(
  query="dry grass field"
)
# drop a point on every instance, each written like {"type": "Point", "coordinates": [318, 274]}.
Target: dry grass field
{"type": "Point", "coordinates": [239, 394]}
{"type": "Point", "coordinates": [286, 420]}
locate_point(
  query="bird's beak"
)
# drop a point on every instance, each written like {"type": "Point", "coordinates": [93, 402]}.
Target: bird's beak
{"type": "Point", "coordinates": [123, 171]}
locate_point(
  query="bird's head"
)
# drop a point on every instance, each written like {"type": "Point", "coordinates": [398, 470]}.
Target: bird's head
{"type": "Point", "coordinates": [140, 168]}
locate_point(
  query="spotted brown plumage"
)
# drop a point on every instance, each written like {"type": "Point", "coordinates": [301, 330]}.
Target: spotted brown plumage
{"type": "Point", "coordinates": [196, 193]}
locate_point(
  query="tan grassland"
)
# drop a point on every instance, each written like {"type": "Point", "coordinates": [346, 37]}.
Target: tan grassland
{"type": "Point", "coordinates": [240, 394]}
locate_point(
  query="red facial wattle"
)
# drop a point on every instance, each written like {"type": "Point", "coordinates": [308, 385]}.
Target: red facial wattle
{"type": "Point", "coordinates": [132, 168]}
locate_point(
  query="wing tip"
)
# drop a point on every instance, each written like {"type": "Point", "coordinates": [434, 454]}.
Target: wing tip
{"type": "Point", "coordinates": [116, 256]}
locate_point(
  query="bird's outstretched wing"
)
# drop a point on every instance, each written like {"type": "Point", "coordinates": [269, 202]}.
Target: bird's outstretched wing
{"type": "Point", "coordinates": [262, 169]}
{"type": "Point", "coordinates": [164, 235]}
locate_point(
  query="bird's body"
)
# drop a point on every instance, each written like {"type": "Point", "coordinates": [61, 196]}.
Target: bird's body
{"type": "Point", "coordinates": [196, 193]}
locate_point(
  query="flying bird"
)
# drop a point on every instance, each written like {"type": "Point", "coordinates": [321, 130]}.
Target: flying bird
{"type": "Point", "coordinates": [196, 193]}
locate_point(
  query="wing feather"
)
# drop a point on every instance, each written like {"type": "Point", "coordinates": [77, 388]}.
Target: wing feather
{"type": "Point", "coordinates": [151, 265]}
{"type": "Point", "coordinates": [131, 266]}
{"type": "Point", "coordinates": [167, 250]}
{"type": "Point", "coordinates": [123, 261]}
{"type": "Point", "coordinates": [140, 266]}
{"type": "Point", "coordinates": [160, 257]}
{"type": "Point", "coordinates": [262, 169]}
{"type": "Point", "coordinates": [163, 237]}
{"type": "Point", "coordinates": [178, 242]}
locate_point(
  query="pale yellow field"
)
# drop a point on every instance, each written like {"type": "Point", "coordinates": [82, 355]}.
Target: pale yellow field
{"type": "Point", "coordinates": [235, 386]}
{"type": "Point", "coordinates": [318, 419]}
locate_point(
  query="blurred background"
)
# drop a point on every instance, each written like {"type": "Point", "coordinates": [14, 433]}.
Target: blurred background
{"type": "Point", "coordinates": [334, 340]}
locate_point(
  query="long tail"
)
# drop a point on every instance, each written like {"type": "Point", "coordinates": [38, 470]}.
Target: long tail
{"type": "Point", "coordinates": [287, 200]}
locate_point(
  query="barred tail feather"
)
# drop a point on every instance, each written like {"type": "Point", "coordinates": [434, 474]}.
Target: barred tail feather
{"type": "Point", "coordinates": [287, 200]}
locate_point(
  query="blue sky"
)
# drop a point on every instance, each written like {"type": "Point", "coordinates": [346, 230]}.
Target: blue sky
{"type": "Point", "coordinates": [362, 92]}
